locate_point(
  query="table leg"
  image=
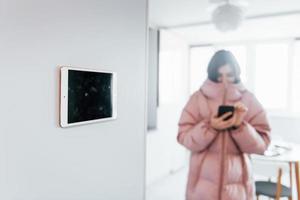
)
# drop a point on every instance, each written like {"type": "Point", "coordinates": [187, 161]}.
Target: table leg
{"type": "Point", "coordinates": [297, 178]}
{"type": "Point", "coordinates": [291, 179]}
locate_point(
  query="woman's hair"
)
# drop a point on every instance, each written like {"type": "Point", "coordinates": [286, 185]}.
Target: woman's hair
{"type": "Point", "coordinates": [220, 58]}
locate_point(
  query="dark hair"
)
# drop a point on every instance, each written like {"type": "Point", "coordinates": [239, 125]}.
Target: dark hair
{"type": "Point", "coordinates": [220, 58]}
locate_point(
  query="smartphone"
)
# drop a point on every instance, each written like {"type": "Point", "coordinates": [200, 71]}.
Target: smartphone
{"type": "Point", "coordinates": [225, 109]}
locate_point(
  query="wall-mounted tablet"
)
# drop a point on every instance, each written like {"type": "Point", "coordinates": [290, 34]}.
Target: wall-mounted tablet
{"type": "Point", "coordinates": [87, 96]}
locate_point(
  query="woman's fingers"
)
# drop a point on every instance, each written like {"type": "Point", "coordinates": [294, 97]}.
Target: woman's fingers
{"type": "Point", "coordinates": [239, 106]}
{"type": "Point", "coordinates": [221, 124]}
{"type": "Point", "coordinates": [227, 123]}
{"type": "Point", "coordinates": [224, 116]}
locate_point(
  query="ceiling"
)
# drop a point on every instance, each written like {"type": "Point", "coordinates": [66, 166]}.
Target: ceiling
{"type": "Point", "coordinates": [174, 13]}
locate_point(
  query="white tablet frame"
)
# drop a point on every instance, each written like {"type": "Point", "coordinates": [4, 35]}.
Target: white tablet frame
{"type": "Point", "coordinates": [64, 96]}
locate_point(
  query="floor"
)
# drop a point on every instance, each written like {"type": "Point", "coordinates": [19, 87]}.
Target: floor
{"type": "Point", "coordinates": [171, 187]}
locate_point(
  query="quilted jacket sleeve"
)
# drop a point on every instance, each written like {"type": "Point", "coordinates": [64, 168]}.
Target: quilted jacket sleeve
{"type": "Point", "coordinates": [194, 132]}
{"type": "Point", "coordinates": [253, 136]}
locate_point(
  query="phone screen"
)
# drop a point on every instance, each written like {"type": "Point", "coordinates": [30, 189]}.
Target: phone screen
{"type": "Point", "coordinates": [224, 109]}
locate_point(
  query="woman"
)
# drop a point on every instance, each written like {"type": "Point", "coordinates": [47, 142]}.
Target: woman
{"type": "Point", "coordinates": [220, 167]}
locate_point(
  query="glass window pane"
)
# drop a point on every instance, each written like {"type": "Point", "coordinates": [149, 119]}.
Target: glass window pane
{"type": "Point", "coordinates": [173, 69]}
{"type": "Point", "coordinates": [199, 58]}
{"type": "Point", "coordinates": [271, 70]}
{"type": "Point", "coordinates": [296, 80]}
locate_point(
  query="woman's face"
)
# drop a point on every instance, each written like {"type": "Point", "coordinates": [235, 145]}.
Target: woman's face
{"type": "Point", "coordinates": [225, 74]}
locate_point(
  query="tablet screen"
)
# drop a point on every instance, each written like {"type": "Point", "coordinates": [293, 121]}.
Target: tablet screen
{"type": "Point", "coordinates": [89, 96]}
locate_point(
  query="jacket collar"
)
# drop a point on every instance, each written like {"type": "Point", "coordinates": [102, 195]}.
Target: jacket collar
{"type": "Point", "coordinates": [216, 90]}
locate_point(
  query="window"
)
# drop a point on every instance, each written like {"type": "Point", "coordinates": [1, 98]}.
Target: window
{"type": "Point", "coordinates": [296, 80]}
{"type": "Point", "coordinates": [270, 69]}
{"type": "Point", "coordinates": [271, 75]}
{"type": "Point", "coordinates": [173, 72]}
{"type": "Point", "coordinates": [199, 59]}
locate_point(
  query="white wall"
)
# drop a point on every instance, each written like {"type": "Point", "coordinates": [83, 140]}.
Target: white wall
{"type": "Point", "coordinates": [286, 128]}
{"type": "Point", "coordinates": [38, 159]}
{"type": "Point", "coordinates": [152, 95]}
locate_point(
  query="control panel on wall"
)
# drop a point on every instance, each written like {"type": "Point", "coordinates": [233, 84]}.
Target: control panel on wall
{"type": "Point", "coordinates": [87, 96]}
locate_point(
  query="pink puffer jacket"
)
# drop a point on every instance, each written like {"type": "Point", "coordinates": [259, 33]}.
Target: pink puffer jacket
{"type": "Point", "coordinates": [220, 167]}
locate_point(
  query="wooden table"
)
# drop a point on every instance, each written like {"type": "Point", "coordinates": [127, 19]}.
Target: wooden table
{"type": "Point", "coordinates": [292, 157]}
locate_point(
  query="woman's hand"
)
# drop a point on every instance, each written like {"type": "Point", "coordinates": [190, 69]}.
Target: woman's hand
{"type": "Point", "coordinates": [219, 123]}
{"type": "Point", "coordinates": [240, 110]}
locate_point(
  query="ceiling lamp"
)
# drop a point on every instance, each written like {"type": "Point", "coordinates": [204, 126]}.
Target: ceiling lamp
{"type": "Point", "coordinates": [227, 17]}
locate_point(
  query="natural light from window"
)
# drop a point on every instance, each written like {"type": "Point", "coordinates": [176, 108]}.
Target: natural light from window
{"type": "Point", "coordinates": [271, 69]}
{"type": "Point", "coordinates": [271, 75]}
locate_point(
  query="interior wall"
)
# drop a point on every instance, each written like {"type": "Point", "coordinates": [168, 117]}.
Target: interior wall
{"type": "Point", "coordinates": [40, 160]}
{"type": "Point", "coordinates": [153, 78]}
{"type": "Point", "coordinates": [285, 128]}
